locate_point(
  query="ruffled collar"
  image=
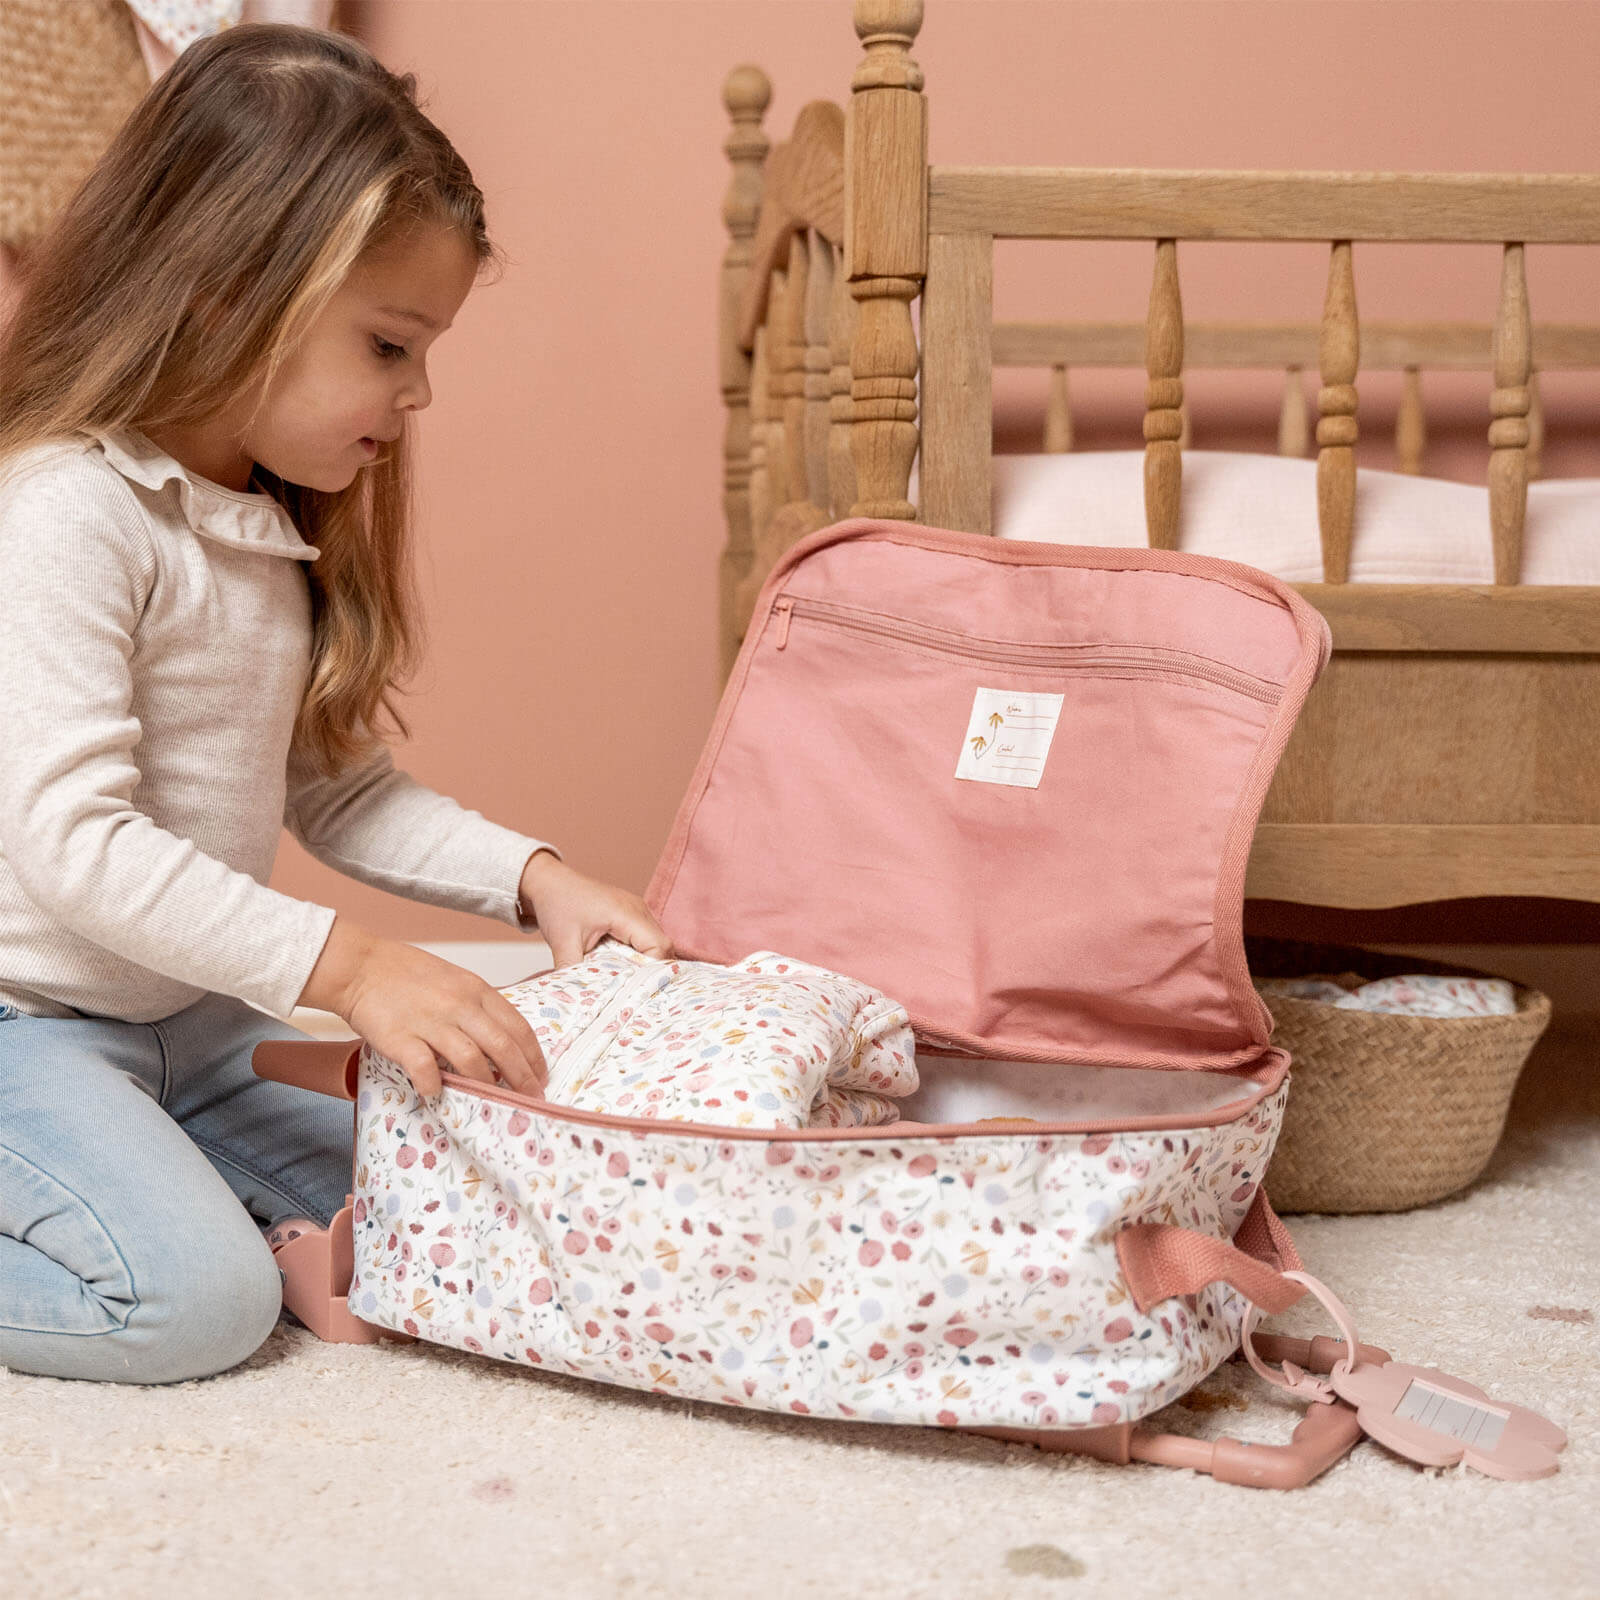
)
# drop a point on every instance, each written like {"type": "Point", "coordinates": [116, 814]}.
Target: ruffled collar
{"type": "Point", "coordinates": [246, 521]}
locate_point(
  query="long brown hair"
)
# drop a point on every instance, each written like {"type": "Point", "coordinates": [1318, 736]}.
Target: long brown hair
{"type": "Point", "coordinates": [229, 208]}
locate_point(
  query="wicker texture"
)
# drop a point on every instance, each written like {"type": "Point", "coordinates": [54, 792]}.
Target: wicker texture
{"type": "Point", "coordinates": [1386, 1111]}
{"type": "Point", "coordinates": [70, 73]}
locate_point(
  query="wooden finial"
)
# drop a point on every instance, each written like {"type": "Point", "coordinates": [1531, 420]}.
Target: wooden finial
{"type": "Point", "coordinates": [1163, 418]}
{"type": "Point", "coordinates": [1339, 351]}
{"type": "Point", "coordinates": [886, 251]}
{"type": "Point", "coordinates": [887, 29]}
{"type": "Point", "coordinates": [746, 93]}
{"type": "Point", "coordinates": [1508, 405]}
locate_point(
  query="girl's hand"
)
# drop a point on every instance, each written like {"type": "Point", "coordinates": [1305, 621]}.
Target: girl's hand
{"type": "Point", "coordinates": [417, 1009]}
{"type": "Point", "coordinates": [575, 912]}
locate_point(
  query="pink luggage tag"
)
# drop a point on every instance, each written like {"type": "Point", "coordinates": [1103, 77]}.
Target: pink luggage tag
{"type": "Point", "coordinates": [1419, 1412]}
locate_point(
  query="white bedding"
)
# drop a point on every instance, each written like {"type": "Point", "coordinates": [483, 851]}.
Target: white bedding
{"type": "Point", "coordinates": [1262, 510]}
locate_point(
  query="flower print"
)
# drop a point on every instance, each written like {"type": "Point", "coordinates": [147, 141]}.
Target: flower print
{"type": "Point", "coordinates": [574, 1242]}
{"type": "Point", "coordinates": [871, 1252]}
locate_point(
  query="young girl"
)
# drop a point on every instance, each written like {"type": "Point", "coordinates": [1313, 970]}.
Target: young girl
{"type": "Point", "coordinates": [204, 483]}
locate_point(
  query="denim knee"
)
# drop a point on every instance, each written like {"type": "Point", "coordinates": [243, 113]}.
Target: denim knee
{"type": "Point", "coordinates": [196, 1318]}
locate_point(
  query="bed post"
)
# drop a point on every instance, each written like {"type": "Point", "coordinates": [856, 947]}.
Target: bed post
{"type": "Point", "coordinates": [745, 93]}
{"type": "Point", "coordinates": [885, 249]}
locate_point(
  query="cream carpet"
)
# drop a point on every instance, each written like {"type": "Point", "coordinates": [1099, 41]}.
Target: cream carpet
{"type": "Point", "coordinates": [323, 1470]}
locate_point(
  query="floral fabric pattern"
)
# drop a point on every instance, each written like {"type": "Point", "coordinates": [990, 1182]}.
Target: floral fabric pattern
{"type": "Point", "coordinates": [958, 1280]}
{"type": "Point", "coordinates": [767, 1042]}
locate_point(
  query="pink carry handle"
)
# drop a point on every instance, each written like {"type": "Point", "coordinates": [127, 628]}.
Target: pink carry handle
{"type": "Point", "coordinates": [324, 1068]}
{"type": "Point", "coordinates": [1160, 1261]}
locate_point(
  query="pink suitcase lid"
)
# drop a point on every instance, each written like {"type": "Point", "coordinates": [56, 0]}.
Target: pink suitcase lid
{"type": "Point", "coordinates": [1096, 917]}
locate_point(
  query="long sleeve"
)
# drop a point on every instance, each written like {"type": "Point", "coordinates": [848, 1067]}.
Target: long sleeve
{"type": "Point", "coordinates": [78, 574]}
{"type": "Point", "coordinates": [380, 826]}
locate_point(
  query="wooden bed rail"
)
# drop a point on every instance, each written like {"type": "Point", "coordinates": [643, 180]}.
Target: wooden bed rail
{"type": "Point", "coordinates": [1410, 348]}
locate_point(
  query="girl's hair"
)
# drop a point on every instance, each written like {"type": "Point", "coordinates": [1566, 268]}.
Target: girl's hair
{"type": "Point", "coordinates": [226, 213]}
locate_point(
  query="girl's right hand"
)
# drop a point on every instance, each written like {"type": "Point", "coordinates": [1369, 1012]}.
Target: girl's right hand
{"type": "Point", "coordinates": [414, 1008]}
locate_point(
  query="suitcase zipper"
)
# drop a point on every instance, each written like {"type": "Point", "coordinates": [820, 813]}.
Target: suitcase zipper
{"type": "Point", "coordinates": [1044, 657]}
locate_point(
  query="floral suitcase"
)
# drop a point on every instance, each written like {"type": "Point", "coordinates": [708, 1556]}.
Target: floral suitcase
{"type": "Point", "coordinates": [1013, 786]}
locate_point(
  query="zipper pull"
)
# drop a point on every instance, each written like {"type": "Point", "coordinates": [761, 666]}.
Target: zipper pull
{"type": "Point", "coordinates": [783, 610]}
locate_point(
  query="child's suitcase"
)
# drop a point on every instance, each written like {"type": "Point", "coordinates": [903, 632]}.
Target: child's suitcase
{"type": "Point", "coordinates": [1013, 786]}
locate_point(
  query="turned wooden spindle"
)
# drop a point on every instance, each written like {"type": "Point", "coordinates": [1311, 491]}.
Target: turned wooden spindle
{"type": "Point", "coordinates": [771, 426]}
{"type": "Point", "coordinates": [818, 373]}
{"type": "Point", "coordinates": [760, 476]}
{"type": "Point", "coordinates": [1410, 424]}
{"type": "Point", "coordinates": [1163, 419]}
{"type": "Point", "coordinates": [1535, 428]}
{"type": "Point", "coordinates": [789, 368]}
{"type": "Point", "coordinates": [1339, 354]}
{"type": "Point", "coordinates": [746, 93]}
{"type": "Point", "coordinates": [1293, 427]}
{"type": "Point", "coordinates": [886, 245]}
{"type": "Point", "coordinates": [841, 409]}
{"type": "Point", "coordinates": [1508, 405]}
{"type": "Point", "coordinates": [1058, 414]}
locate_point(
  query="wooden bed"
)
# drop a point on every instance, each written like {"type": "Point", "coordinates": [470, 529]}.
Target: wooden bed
{"type": "Point", "coordinates": [1452, 747]}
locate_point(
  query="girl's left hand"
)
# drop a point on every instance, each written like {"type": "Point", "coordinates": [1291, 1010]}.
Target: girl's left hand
{"type": "Point", "coordinates": [575, 912]}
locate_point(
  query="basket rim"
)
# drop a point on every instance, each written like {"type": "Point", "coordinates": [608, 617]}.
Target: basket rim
{"type": "Point", "coordinates": [1530, 1001]}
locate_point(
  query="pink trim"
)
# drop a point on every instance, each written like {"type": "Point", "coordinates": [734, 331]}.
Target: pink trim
{"type": "Point", "coordinates": [332, 1069]}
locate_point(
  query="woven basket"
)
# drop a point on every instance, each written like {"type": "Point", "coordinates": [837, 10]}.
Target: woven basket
{"type": "Point", "coordinates": [1386, 1111]}
{"type": "Point", "coordinates": [70, 73]}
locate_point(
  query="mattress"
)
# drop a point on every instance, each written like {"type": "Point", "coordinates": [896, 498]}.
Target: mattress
{"type": "Point", "coordinates": [1262, 510]}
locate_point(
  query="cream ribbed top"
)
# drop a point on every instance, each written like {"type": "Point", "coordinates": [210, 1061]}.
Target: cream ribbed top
{"type": "Point", "coordinates": [155, 642]}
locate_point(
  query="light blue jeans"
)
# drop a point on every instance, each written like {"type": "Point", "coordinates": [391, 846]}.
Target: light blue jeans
{"type": "Point", "coordinates": [139, 1162]}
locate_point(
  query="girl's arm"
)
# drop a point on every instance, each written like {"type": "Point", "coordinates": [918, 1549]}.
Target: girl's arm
{"type": "Point", "coordinates": [381, 827]}
{"type": "Point", "coordinates": [75, 579]}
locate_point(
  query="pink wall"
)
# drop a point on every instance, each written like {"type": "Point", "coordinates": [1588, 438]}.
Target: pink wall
{"type": "Point", "coordinates": [571, 459]}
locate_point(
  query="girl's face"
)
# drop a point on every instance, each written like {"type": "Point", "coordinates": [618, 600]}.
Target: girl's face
{"type": "Point", "coordinates": [342, 397]}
